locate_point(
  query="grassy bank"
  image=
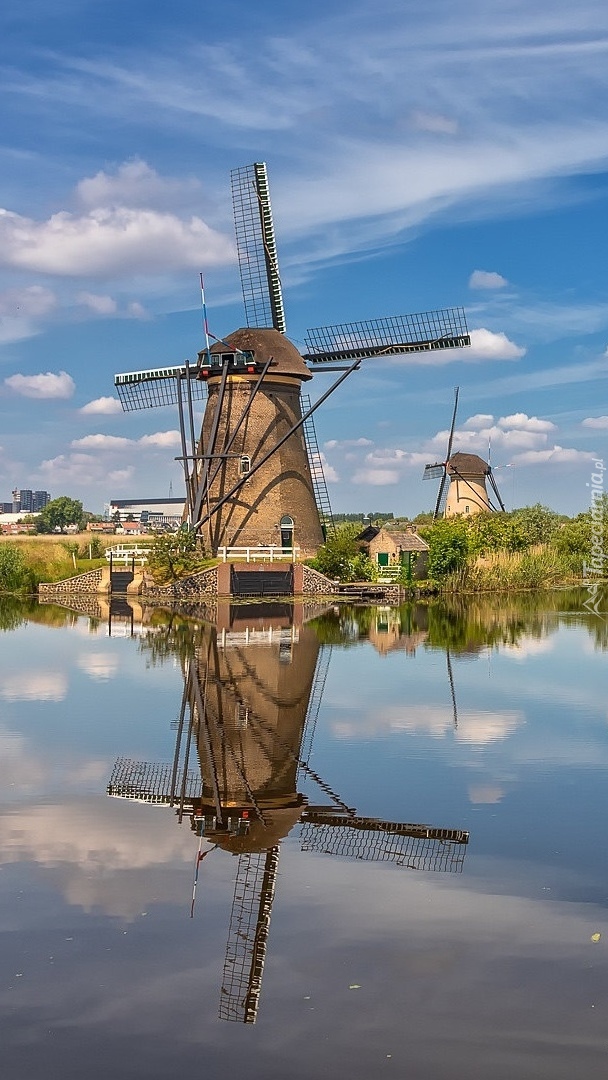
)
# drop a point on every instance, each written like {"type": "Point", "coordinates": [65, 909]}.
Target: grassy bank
{"type": "Point", "coordinates": [26, 561]}
{"type": "Point", "coordinates": [540, 567]}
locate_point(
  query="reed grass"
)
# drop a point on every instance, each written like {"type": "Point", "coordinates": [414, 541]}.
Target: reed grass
{"type": "Point", "coordinates": [540, 567]}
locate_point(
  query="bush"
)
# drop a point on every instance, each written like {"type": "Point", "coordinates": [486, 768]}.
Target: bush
{"type": "Point", "coordinates": [448, 547]}
{"type": "Point", "coordinates": [341, 559]}
{"type": "Point", "coordinates": [15, 575]}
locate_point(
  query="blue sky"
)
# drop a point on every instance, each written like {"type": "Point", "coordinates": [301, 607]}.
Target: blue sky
{"type": "Point", "coordinates": [420, 156]}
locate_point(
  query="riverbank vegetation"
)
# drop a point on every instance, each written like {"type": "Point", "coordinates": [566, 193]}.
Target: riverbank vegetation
{"type": "Point", "coordinates": [530, 548]}
{"type": "Point", "coordinates": [27, 561]}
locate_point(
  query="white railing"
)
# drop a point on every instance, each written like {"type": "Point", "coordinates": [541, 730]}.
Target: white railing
{"type": "Point", "coordinates": [268, 553]}
{"type": "Point", "coordinates": [127, 553]}
{"type": "Point", "coordinates": [287, 635]}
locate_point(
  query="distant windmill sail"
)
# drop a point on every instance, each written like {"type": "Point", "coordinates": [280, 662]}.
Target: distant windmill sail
{"type": "Point", "coordinates": [440, 468]}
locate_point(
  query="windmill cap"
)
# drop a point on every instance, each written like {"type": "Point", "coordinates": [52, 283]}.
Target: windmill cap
{"type": "Point", "coordinates": [286, 359]}
{"type": "Point", "coordinates": [467, 465]}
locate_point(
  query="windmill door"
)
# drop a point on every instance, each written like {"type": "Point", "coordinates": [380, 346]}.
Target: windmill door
{"type": "Point", "coordinates": [287, 532]}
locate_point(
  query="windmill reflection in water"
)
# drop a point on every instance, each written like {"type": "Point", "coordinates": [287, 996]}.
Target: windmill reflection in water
{"type": "Point", "coordinates": [251, 699]}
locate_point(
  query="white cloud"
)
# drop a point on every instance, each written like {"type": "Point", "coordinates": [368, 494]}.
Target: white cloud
{"type": "Point", "coordinates": [480, 420]}
{"type": "Point", "coordinates": [523, 422]}
{"type": "Point", "coordinates": [475, 727]}
{"type": "Point", "coordinates": [436, 123]}
{"type": "Point", "coordinates": [34, 301]}
{"type": "Point", "coordinates": [101, 442]}
{"type": "Point", "coordinates": [485, 794]}
{"type": "Point", "coordinates": [489, 345]}
{"type": "Point", "coordinates": [100, 666]}
{"type": "Point", "coordinates": [107, 242]}
{"type": "Point", "coordinates": [43, 386]}
{"type": "Point", "coordinates": [161, 439]}
{"type": "Point", "coordinates": [343, 444]}
{"type": "Point", "coordinates": [12, 329]}
{"type": "Point", "coordinates": [376, 477]}
{"type": "Point", "coordinates": [83, 470]}
{"type": "Point", "coordinates": [91, 847]}
{"type": "Point", "coordinates": [598, 422]}
{"type": "Point", "coordinates": [135, 310]}
{"type": "Point", "coordinates": [134, 183]}
{"type": "Point", "coordinates": [100, 305]}
{"type": "Point", "coordinates": [34, 686]}
{"type": "Point", "coordinates": [103, 406]}
{"type": "Point", "coordinates": [487, 279]}
{"type": "Point", "coordinates": [329, 472]}
{"type": "Point", "coordinates": [557, 455]}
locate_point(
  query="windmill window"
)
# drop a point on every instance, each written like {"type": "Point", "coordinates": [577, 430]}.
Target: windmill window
{"type": "Point", "coordinates": [466, 509]}
{"type": "Point", "coordinates": [244, 465]}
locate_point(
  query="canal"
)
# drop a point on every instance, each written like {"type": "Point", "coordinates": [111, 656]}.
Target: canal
{"type": "Point", "coordinates": [274, 840]}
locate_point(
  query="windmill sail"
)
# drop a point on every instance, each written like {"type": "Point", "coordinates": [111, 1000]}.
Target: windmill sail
{"type": "Point", "coordinates": [427, 330]}
{"type": "Point", "coordinates": [248, 935]}
{"type": "Point", "coordinates": [256, 247]}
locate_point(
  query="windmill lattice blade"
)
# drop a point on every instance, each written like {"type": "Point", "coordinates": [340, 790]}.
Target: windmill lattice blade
{"type": "Point", "coordinates": [442, 495]}
{"type": "Point", "coordinates": [156, 387]}
{"type": "Point", "coordinates": [256, 247]}
{"type": "Point", "coordinates": [433, 472]}
{"type": "Point", "coordinates": [453, 424]}
{"type": "Point", "coordinates": [442, 329]}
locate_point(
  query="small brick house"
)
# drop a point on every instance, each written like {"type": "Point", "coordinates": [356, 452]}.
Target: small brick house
{"type": "Point", "coordinates": [396, 547]}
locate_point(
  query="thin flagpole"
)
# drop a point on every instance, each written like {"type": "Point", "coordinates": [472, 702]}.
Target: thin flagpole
{"type": "Point", "coordinates": [200, 855]}
{"type": "Point", "coordinates": [205, 323]}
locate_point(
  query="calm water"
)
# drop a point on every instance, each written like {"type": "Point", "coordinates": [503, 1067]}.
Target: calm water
{"type": "Point", "coordinates": [276, 767]}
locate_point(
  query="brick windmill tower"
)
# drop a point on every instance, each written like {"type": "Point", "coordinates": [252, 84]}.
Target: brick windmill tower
{"type": "Point", "coordinates": [254, 475]}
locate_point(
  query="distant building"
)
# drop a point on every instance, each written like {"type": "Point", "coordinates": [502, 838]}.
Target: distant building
{"type": "Point", "coordinates": [153, 513]}
{"type": "Point", "coordinates": [26, 501]}
{"type": "Point", "coordinates": [12, 525]}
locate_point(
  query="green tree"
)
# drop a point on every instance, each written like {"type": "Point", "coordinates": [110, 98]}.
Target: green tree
{"type": "Point", "coordinates": [175, 555]}
{"type": "Point", "coordinates": [448, 546]}
{"type": "Point", "coordinates": [341, 559]}
{"type": "Point", "coordinates": [538, 523]}
{"type": "Point", "coordinates": [496, 532]}
{"type": "Point", "coordinates": [59, 513]}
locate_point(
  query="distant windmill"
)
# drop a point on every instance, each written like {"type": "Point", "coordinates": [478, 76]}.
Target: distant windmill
{"type": "Point", "coordinates": [462, 485]}
{"type": "Point", "coordinates": [254, 475]}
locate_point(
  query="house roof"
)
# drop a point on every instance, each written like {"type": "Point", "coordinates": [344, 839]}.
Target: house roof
{"type": "Point", "coordinates": [407, 541]}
